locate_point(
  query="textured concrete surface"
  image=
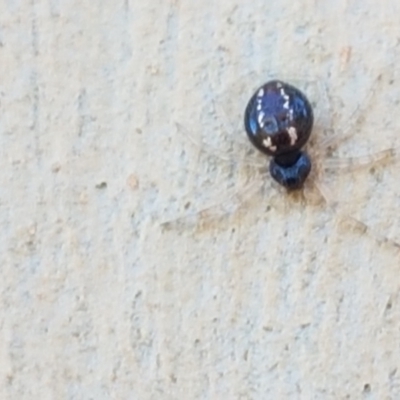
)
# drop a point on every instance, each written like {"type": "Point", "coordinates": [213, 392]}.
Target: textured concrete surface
{"type": "Point", "coordinates": [285, 297]}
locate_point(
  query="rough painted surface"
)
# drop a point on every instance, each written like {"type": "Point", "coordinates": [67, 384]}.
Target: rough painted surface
{"type": "Point", "coordinates": [284, 298]}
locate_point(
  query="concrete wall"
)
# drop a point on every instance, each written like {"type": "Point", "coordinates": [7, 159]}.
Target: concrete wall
{"type": "Point", "coordinates": [282, 297]}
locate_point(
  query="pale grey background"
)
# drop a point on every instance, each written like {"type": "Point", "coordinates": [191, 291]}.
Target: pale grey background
{"type": "Point", "coordinates": [279, 300]}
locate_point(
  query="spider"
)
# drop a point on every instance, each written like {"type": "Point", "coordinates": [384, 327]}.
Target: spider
{"type": "Point", "coordinates": [279, 122]}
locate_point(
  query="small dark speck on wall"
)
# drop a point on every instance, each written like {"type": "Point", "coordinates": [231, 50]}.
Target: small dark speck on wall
{"type": "Point", "coordinates": [101, 185]}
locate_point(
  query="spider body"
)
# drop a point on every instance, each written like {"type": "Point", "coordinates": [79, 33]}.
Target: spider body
{"type": "Point", "coordinates": [278, 121]}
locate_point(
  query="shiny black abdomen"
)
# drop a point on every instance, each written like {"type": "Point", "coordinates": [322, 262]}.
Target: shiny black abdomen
{"type": "Point", "coordinates": [278, 118]}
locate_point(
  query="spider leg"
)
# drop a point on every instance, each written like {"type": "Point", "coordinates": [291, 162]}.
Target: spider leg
{"type": "Point", "coordinates": [229, 106]}
{"type": "Point", "coordinates": [368, 160]}
{"type": "Point", "coordinates": [355, 223]}
{"type": "Point", "coordinates": [201, 145]}
{"type": "Point", "coordinates": [225, 150]}
{"type": "Point", "coordinates": [351, 221]}
{"type": "Point", "coordinates": [233, 200]}
{"type": "Point", "coordinates": [333, 141]}
{"type": "Point", "coordinates": [236, 136]}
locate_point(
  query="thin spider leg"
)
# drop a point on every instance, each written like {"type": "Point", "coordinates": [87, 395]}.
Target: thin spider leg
{"type": "Point", "coordinates": [243, 153]}
{"type": "Point", "coordinates": [327, 102]}
{"type": "Point", "coordinates": [227, 124]}
{"type": "Point", "coordinates": [259, 161]}
{"type": "Point", "coordinates": [234, 134]}
{"type": "Point", "coordinates": [325, 191]}
{"type": "Point", "coordinates": [235, 96]}
{"type": "Point", "coordinates": [333, 141]}
{"type": "Point", "coordinates": [366, 229]}
{"type": "Point", "coordinates": [219, 209]}
{"type": "Point", "coordinates": [201, 145]}
{"type": "Point", "coordinates": [352, 221]}
{"type": "Point", "coordinates": [369, 160]}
